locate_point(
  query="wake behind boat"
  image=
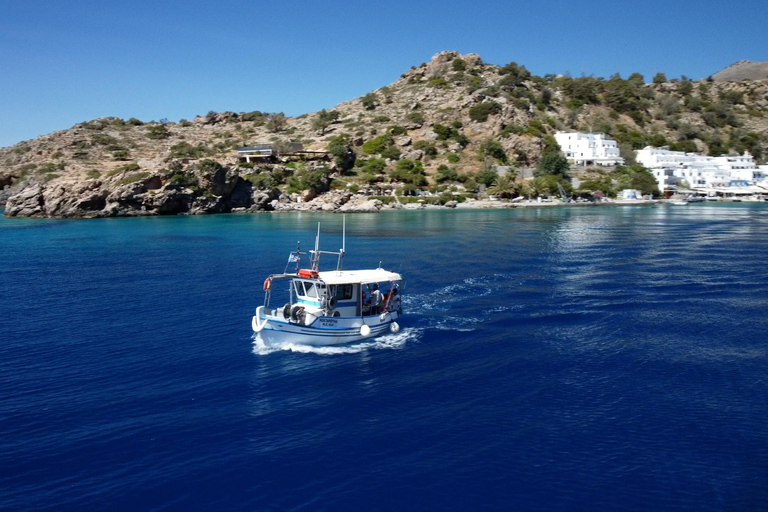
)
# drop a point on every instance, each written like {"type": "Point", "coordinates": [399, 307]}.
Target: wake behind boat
{"type": "Point", "coordinates": [329, 307]}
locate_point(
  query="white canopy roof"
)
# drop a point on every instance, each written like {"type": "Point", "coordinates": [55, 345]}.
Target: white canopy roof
{"type": "Point", "coordinates": [378, 275]}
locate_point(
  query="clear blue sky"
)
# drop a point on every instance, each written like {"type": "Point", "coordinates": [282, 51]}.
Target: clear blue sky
{"type": "Point", "coordinates": [63, 62]}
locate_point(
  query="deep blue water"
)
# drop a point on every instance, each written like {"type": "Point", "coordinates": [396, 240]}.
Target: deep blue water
{"type": "Point", "coordinates": [551, 359]}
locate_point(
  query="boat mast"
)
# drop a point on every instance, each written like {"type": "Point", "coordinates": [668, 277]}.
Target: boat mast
{"type": "Point", "coordinates": [343, 242]}
{"type": "Point", "coordinates": [316, 259]}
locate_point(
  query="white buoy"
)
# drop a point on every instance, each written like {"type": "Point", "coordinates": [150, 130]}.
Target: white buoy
{"type": "Point", "coordinates": [365, 330]}
{"type": "Point", "coordinates": [394, 327]}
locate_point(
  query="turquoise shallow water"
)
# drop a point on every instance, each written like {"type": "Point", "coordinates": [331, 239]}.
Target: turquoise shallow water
{"type": "Point", "coordinates": [585, 358]}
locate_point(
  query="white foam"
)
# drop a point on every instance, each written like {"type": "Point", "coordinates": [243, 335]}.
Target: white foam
{"type": "Point", "coordinates": [388, 341]}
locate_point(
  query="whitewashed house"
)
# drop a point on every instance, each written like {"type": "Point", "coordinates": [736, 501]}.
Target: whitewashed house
{"type": "Point", "coordinates": [672, 168]}
{"type": "Point", "coordinates": [589, 149]}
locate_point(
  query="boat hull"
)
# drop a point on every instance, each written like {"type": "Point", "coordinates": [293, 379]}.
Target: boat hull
{"type": "Point", "coordinates": [324, 331]}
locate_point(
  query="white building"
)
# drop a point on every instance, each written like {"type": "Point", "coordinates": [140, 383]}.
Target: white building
{"type": "Point", "coordinates": [672, 168]}
{"type": "Point", "coordinates": [589, 149]}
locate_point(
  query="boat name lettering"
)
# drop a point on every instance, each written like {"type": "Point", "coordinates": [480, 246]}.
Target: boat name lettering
{"type": "Point", "coordinates": [328, 322]}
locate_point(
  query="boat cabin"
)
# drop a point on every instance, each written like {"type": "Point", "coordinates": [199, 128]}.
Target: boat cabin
{"type": "Point", "coordinates": [340, 293]}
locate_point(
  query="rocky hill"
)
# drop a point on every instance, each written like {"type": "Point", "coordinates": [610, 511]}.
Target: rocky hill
{"type": "Point", "coordinates": [743, 70]}
{"type": "Point", "coordinates": [444, 125]}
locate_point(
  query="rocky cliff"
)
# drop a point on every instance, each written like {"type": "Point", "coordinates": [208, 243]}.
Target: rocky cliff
{"type": "Point", "coordinates": [439, 125]}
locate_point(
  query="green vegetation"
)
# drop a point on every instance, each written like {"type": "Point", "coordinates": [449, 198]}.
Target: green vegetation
{"type": "Point", "coordinates": [185, 150]}
{"type": "Point", "coordinates": [427, 146]}
{"type": "Point", "coordinates": [133, 178]}
{"type": "Point", "coordinates": [378, 144]}
{"type": "Point", "coordinates": [415, 117]}
{"type": "Point", "coordinates": [410, 171]}
{"type": "Point", "coordinates": [481, 111]}
{"type": "Point", "coordinates": [49, 167]}
{"type": "Point", "coordinates": [185, 180]}
{"type": "Point", "coordinates": [339, 147]}
{"type": "Point", "coordinates": [370, 101]}
{"type": "Point", "coordinates": [636, 177]}
{"type": "Point", "coordinates": [503, 186]}
{"type": "Point", "coordinates": [547, 185]}
{"type": "Point", "coordinates": [324, 119]}
{"type": "Point", "coordinates": [306, 179]}
{"type": "Point", "coordinates": [158, 131]}
{"type": "Point", "coordinates": [492, 148]}
{"type": "Point", "coordinates": [486, 177]}
{"type": "Point", "coordinates": [446, 174]}
{"type": "Point", "coordinates": [450, 132]}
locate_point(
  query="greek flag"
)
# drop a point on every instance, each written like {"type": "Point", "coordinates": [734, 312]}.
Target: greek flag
{"type": "Point", "coordinates": [293, 258]}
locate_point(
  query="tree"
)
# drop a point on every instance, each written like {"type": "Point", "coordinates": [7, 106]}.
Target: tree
{"type": "Point", "coordinates": [547, 185]}
{"type": "Point", "coordinates": [495, 150]}
{"type": "Point", "coordinates": [342, 152]}
{"type": "Point", "coordinates": [636, 79]}
{"type": "Point", "coordinates": [552, 163]}
{"type": "Point", "coordinates": [643, 180]}
{"type": "Point", "coordinates": [324, 119]}
{"type": "Point", "coordinates": [486, 177]}
{"type": "Point", "coordinates": [504, 186]}
{"type": "Point", "coordinates": [622, 95]}
{"type": "Point", "coordinates": [660, 78]}
{"type": "Point", "coordinates": [410, 171]}
{"type": "Point", "coordinates": [276, 122]}
{"type": "Point", "coordinates": [445, 173]}
{"type": "Point", "coordinates": [515, 75]}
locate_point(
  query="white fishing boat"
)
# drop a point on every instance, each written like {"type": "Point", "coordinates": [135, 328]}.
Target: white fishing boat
{"type": "Point", "coordinates": [329, 307]}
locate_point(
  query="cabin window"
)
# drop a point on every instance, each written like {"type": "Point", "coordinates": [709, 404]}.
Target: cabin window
{"type": "Point", "coordinates": [342, 291]}
{"type": "Point", "coordinates": [299, 289]}
{"type": "Point", "coordinates": [311, 289]}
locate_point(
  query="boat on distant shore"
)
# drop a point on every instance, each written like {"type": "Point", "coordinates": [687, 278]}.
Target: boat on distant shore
{"type": "Point", "coordinates": [329, 307]}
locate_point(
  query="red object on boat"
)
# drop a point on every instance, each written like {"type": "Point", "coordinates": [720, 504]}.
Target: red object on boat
{"type": "Point", "coordinates": [308, 273]}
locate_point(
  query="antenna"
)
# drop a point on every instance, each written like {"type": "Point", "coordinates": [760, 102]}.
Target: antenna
{"type": "Point", "coordinates": [343, 233]}
{"type": "Point", "coordinates": [317, 248]}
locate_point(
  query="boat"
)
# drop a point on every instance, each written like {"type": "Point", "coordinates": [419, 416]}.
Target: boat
{"type": "Point", "coordinates": [678, 202]}
{"type": "Point", "coordinates": [329, 307]}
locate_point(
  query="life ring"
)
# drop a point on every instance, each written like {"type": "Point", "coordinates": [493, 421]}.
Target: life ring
{"type": "Point", "coordinates": [267, 284]}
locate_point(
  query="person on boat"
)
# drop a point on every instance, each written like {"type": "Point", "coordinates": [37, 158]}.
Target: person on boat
{"type": "Point", "coordinates": [394, 301]}
{"type": "Point", "coordinates": [376, 299]}
{"type": "Point", "coordinates": [366, 304]}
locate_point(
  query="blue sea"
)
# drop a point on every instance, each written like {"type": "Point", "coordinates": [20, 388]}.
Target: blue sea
{"type": "Point", "coordinates": [611, 358]}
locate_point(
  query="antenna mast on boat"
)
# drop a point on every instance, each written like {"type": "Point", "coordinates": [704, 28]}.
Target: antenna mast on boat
{"type": "Point", "coordinates": [316, 259]}
{"type": "Point", "coordinates": [343, 241]}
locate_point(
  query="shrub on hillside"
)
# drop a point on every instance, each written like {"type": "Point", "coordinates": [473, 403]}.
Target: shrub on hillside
{"type": "Point", "coordinates": [446, 174]}
{"type": "Point", "coordinates": [378, 144]}
{"type": "Point", "coordinates": [370, 101]}
{"type": "Point", "coordinates": [415, 117]}
{"type": "Point", "coordinates": [409, 171]}
{"type": "Point", "coordinates": [158, 131]}
{"type": "Point", "coordinates": [495, 150]}
{"type": "Point", "coordinates": [187, 150]}
{"type": "Point", "coordinates": [427, 146]}
{"type": "Point", "coordinates": [481, 111]}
